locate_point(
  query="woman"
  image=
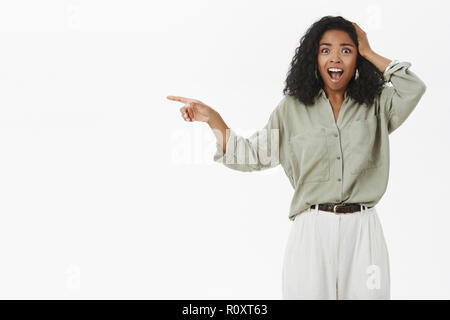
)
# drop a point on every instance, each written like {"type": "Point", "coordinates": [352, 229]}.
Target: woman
{"type": "Point", "coordinates": [330, 133]}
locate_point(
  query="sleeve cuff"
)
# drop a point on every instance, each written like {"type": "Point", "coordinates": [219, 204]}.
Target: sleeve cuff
{"type": "Point", "coordinates": [394, 66]}
{"type": "Point", "coordinates": [219, 155]}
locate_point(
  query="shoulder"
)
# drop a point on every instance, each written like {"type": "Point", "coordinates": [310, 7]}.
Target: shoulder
{"type": "Point", "coordinates": [281, 112]}
{"type": "Point", "coordinates": [288, 103]}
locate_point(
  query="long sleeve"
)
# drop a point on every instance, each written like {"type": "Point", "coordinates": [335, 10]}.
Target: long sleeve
{"type": "Point", "coordinates": [258, 152]}
{"type": "Point", "coordinates": [400, 100]}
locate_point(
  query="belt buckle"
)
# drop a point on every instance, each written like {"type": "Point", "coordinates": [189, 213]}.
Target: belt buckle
{"type": "Point", "coordinates": [334, 208]}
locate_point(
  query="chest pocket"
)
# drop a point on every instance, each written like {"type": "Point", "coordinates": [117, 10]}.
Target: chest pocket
{"type": "Point", "coordinates": [364, 145]}
{"type": "Point", "coordinates": [309, 156]}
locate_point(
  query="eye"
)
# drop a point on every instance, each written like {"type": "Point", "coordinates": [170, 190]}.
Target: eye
{"type": "Point", "coordinates": [347, 49]}
{"type": "Point", "coordinates": [324, 49]}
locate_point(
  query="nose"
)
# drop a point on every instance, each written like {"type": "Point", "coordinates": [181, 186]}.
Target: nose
{"type": "Point", "coordinates": [336, 58]}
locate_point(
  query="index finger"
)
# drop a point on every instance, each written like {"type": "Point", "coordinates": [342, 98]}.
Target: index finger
{"type": "Point", "coordinates": [181, 99]}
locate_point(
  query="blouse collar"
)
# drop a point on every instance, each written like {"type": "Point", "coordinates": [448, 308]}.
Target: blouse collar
{"type": "Point", "coordinates": [324, 95]}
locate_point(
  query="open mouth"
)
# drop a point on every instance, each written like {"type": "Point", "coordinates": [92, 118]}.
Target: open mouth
{"type": "Point", "coordinates": [335, 74]}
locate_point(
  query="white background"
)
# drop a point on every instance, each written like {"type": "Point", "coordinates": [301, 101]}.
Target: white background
{"type": "Point", "coordinates": [106, 192]}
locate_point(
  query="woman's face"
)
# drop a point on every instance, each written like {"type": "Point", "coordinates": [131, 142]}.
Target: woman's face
{"type": "Point", "coordinates": [336, 50]}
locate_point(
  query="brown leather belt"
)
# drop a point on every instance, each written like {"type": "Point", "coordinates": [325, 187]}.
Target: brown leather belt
{"type": "Point", "coordinates": [339, 208]}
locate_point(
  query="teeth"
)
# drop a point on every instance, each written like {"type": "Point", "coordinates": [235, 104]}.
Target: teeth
{"type": "Point", "coordinates": [335, 69]}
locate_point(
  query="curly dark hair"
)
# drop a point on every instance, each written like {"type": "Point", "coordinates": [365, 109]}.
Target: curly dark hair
{"type": "Point", "coordinates": [301, 80]}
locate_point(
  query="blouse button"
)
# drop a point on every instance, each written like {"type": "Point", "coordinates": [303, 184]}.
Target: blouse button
{"type": "Point", "coordinates": [339, 179]}
{"type": "Point", "coordinates": [335, 135]}
{"type": "Point", "coordinates": [338, 157]}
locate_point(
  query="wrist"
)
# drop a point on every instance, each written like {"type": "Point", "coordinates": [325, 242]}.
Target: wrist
{"type": "Point", "coordinates": [367, 53]}
{"type": "Point", "coordinates": [212, 117]}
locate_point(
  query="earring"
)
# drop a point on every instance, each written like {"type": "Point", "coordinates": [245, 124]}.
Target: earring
{"type": "Point", "coordinates": [356, 74]}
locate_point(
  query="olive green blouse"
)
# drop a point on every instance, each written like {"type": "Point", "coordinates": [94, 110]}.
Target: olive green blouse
{"type": "Point", "coordinates": [328, 161]}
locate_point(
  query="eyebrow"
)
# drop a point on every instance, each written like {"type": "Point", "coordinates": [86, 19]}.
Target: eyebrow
{"type": "Point", "coordinates": [342, 44]}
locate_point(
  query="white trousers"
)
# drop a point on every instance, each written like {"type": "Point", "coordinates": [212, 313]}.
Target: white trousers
{"type": "Point", "coordinates": [336, 256]}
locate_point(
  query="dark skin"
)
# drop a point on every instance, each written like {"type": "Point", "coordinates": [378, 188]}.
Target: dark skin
{"type": "Point", "coordinates": [336, 49]}
{"type": "Point", "coordinates": [340, 51]}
